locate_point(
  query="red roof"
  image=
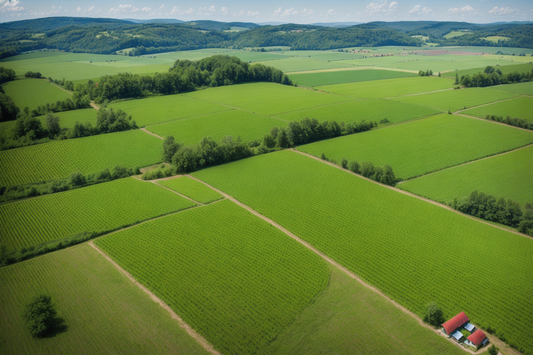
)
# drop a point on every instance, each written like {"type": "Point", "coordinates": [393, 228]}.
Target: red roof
{"type": "Point", "coordinates": [455, 322]}
{"type": "Point", "coordinates": [477, 337]}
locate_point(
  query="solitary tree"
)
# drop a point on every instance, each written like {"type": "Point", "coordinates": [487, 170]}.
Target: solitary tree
{"type": "Point", "coordinates": [52, 123]}
{"type": "Point", "coordinates": [434, 314]}
{"type": "Point", "coordinates": [39, 315]}
{"type": "Point", "coordinates": [456, 79]}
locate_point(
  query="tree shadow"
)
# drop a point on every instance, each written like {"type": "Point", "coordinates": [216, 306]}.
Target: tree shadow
{"type": "Point", "coordinates": [57, 326]}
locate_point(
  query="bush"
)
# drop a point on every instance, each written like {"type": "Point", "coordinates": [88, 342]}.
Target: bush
{"type": "Point", "coordinates": [39, 315]}
{"type": "Point", "coordinates": [493, 350]}
{"type": "Point", "coordinates": [433, 314]}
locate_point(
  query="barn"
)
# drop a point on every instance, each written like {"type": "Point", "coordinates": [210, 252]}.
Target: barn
{"type": "Point", "coordinates": [455, 323]}
{"type": "Point", "coordinates": [477, 339]}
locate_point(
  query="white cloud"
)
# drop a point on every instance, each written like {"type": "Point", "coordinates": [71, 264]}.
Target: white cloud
{"type": "Point", "coordinates": [212, 8]}
{"type": "Point", "coordinates": [393, 5]}
{"type": "Point", "coordinates": [292, 12]}
{"type": "Point", "coordinates": [90, 9]}
{"type": "Point", "coordinates": [146, 9]}
{"type": "Point", "coordinates": [461, 10]}
{"type": "Point", "coordinates": [383, 8]}
{"type": "Point", "coordinates": [78, 9]}
{"type": "Point", "coordinates": [224, 11]}
{"type": "Point", "coordinates": [189, 12]}
{"type": "Point", "coordinates": [10, 5]}
{"type": "Point", "coordinates": [419, 10]}
{"type": "Point", "coordinates": [502, 10]}
{"type": "Point", "coordinates": [175, 11]}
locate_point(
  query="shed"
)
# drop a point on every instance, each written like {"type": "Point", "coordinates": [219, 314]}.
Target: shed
{"type": "Point", "coordinates": [470, 327]}
{"type": "Point", "coordinates": [457, 335]}
{"type": "Point", "coordinates": [453, 324]}
{"type": "Point", "coordinates": [477, 339]}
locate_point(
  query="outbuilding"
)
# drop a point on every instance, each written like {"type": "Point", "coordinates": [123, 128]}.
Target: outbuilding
{"type": "Point", "coordinates": [477, 339]}
{"type": "Point", "coordinates": [457, 335]}
{"type": "Point", "coordinates": [455, 323]}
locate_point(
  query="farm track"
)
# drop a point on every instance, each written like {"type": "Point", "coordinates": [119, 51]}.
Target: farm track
{"type": "Point", "coordinates": [331, 261]}
{"type": "Point", "coordinates": [151, 133]}
{"type": "Point", "coordinates": [199, 339]}
{"type": "Point", "coordinates": [489, 103]}
{"type": "Point", "coordinates": [469, 162]}
{"type": "Point", "coordinates": [351, 68]}
{"type": "Point", "coordinates": [62, 88]}
{"type": "Point", "coordinates": [413, 195]}
{"type": "Point", "coordinates": [496, 122]}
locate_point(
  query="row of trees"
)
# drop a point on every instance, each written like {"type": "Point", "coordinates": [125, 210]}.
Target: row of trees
{"type": "Point", "coordinates": [30, 74]}
{"type": "Point", "coordinates": [8, 109]}
{"type": "Point", "coordinates": [492, 77]}
{"type": "Point", "coordinates": [497, 210]}
{"type": "Point", "coordinates": [77, 102]}
{"type": "Point", "coordinates": [512, 121]}
{"type": "Point", "coordinates": [428, 72]}
{"type": "Point", "coordinates": [384, 175]}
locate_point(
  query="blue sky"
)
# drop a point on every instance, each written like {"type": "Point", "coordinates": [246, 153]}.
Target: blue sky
{"type": "Point", "coordinates": [296, 11]}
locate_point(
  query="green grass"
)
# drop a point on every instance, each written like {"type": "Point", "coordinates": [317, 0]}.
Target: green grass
{"type": "Point", "coordinates": [258, 56]}
{"type": "Point", "coordinates": [520, 107]}
{"type": "Point", "coordinates": [495, 39]}
{"type": "Point", "coordinates": [521, 88]}
{"type": "Point", "coordinates": [347, 76]}
{"type": "Point", "coordinates": [104, 311]}
{"type": "Point", "coordinates": [97, 208]}
{"type": "Point", "coordinates": [348, 318]}
{"type": "Point", "coordinates": [57, 159]}
{"type": "Point", "coordinates": [192, 189]}
{"type": "Point", "coordinates": [389, 87]}
{"type": "Point", "coordinates": [231, 276]}
{"type": "Point", "coordinates": [505, 69]}
{"type": "Point", "coordinates": [413, 251]}
{"type": "Point", "coordinates": [34, 92]}
{"type": "Point", "coordinates": [161, 109]}
{"type": "Point", "coordinates": [267, 98]}
{"type": "Point", "coordinates": [458, 99]}
{"type": "Point", "coordinates": [294, 64]}
{"type": "Point", "coordinates": [356, 111]}
{"type": "Point", "coordinates": [423, 146]}
{"type": "Point", "coordinates": [509, 176]}
{"type": "Point", "coordinates": [453, 34]}
{"type": "Point", "coordinates": [236, 123]}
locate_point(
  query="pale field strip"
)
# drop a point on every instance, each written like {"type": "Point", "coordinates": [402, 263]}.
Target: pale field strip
{"type": "Point", "coordinates": [354, 276]}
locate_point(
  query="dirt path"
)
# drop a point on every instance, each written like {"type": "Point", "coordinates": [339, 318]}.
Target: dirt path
{"type": "Point", "coordinates": [177, 193]}
{"type": "Point", "coordinates": [58, 86]}
{"type": "Point", "coordinates": [420, 93]}
{"type": "Point", "coordinates": [95, 106]}
{"type": "Point", "coordinates": [329, 260]}
{"type": "Point", "coordinates": [489, 103]}
{"type": "Point", "coordinates": [470, 162]}
{"type": "Point", "coordinates": [153, 134]}
{"type": "Point", "coordinates": [199, 339]}
{"type": "Point", "coordinates": [496, 122]}
{"type": "Point", "coordinates": [413, 195]}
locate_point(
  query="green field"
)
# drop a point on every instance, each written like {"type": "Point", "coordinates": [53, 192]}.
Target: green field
{"type": "Point", "coordinates": [521, 88]}
{"type": "Point", "coordinates": [495, 39]}
{"type": "Point", "coordinates": [236, 123]}
{"type": "Point", "coordinates": [505, 69]}
{"type": "Point", "coordinates": [521, 107]}
{"type": "Point", "coordinates": [453, 34]}
{"type": "Point", "coordinates": [389, 87]}
{"type": "Point", "coordinates": [231, 276]}
{"type": "Point", "coordinates": [161, 109]}
{"type": "Point", "coordinates": [57, 159]}
{"type": "Point", "coordinates": [97, 208]}
{"type": "Point", "coordinates": [412, 250]}
{"type": "Point", "coordinates": [458, 99]}
{"type": "Point", "coordinates": [422, 146]}
{"type": "Point", "coordinates": [508, 175]}
{"type": "Point", "coordinates": [192, 189]}
{"type": "Point", "coordinates": [267, 98]}
{"type": "Point", "coordinates": [347, 76]}
{"type": "Point", "coordinates": [104, 311]}
{"type": "Point", "coordinates": [295, 64]}
{"type": "Point", "coordinates": [369, 110]}
{"type": "Point", "coordinates": [34, 92]}
{"type": "Point", "coordinates": [348, 318]}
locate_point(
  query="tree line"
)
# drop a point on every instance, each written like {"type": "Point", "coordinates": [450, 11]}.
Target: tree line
{"type": "Point", "coordinates": [491, 76]}
{"type": "Point", "coordinates": [490, 208]}
{"type": "Point", "coordinates": [511, 121]}
{"type": "Point", "coordinates": [384, 175]}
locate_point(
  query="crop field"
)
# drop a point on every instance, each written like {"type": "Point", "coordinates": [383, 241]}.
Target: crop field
{"type": "Point", "coordinates": [508, 175]}
{"type": "Point", "coordinates": [34, 92]}
{"type": "Point", "coordinates": [235, 279]}
{"type": "Point", "coordinates": [496, 38]}
{"type": "Point", "coordinates": [422, 146]}
{"type": "Point", "coordinates": [412, 250]}
{"type": "Point", "coordinates": [389, 87]}
{"type": "Point", "coordinates": [453, 34]}
{"type": "Point", "coordinates": [505, 69]}
{"type": "Point", "coordinates": [294, 64]}
{"type": "Point", "coordinates": [192, 189]}
{"type": "Point", "coordinates": [90, 209]}
{"type": "Point", "coordinates": [356, 111]}
{"type": "Point", "coordinates": [267, 98]}
{"type": "Point", "coordinates": [521, 88]}
{"type": "Point", "coordinates": [347, 318]}
{"type": "Point", "coordinates": [104, 311]}
{"type": "Point", "coordinates": [521, 107]}
{"type": "Point", "coordinates": [258, 56]}
{"type": "Point", "coordinates": [347, 76]}
{"type": "Point", "coordinates": [236, 123]}
{"type": "Point", "coordinates": [456, 100]}
{"type": "Point", "coordinates": [161, 109]}
{"type": "Point", "coordinates": [57, 159]}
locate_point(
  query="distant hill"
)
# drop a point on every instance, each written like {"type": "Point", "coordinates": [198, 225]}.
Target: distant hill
{"type": "Point", "coordinates": [157, 20]}
{"type": "Point", "coordinates": [336, 24]}
{"type": "Point", "coordinates": [51, 23]}
{"type": "Point", "coordinates": [217, 26]}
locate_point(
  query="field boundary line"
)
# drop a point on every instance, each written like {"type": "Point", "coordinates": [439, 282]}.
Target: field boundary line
{"type": "Point", "coordinates": [177, 193]}
{"type": "Point", "coordinates": [420, 93]}
{"type": "Point", "coordinates": [492, 102]}
{"type": "Point", "coordinates": [350, 69]}
{"type": "Point", "coordinates": [496, 122]}
{"type": "Point", "coordinates": [151, 133]}
{"type": "Point", "coordinates": [192, 333]}
{"type": "Point", "coordinates": [60, 87]}
{"type": "Point", "coordinates": [468, 162]}
{"type": "Point", "coordinates": [330, 260]}
{"type": "Point", "coordinates": [185, 118]}
{"type": "Point", "coordinates": [412, 195]}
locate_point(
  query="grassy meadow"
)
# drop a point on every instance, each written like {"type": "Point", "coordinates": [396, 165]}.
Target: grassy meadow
{"type": "Point", "coordinates": [389, 87]}
{"type": "Point", "coordinates": [296, 64]}
{"type": "Point", "coordinates": [505, 69]}
{"type": "Point", "coordinates": [422, 146]}
{"type": "Point", "coordinates": [46, 218]}
{"type": "Point", "coordinates": [231, 276]}
{"type": "Point", "coordinates": [508, 175]}
{"type": "Point", "coordinates": [411, 250]}
{"type": "Point", "coordinates": [346, 76]}
{"type": "Point", "coordinates": [32, 93]}
{"type": "Point", "coordinates": [236, 123]}
{"type": "Point", "coordinates": [57, 159]}
{"type": "Point", "coordinates": [103, 311]}
{"type": "Point", "coordinates": [192, 189]}
{"type": "Point", "coordinates": [521, 88]}
{"type": "Point", "coordinates": [520, 107]}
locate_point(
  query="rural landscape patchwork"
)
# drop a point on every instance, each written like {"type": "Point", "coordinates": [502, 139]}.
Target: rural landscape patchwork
{"type": "Point", "coordinates": [229, 188]}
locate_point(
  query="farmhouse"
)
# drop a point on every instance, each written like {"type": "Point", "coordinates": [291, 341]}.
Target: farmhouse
{"type": "Point", "coordinates": [454, 324]}
{"type": "Point", "coordinates": [477, 339]}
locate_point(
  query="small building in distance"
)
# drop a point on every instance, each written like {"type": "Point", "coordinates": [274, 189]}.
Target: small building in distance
{"type": "Point", "coordinates": [477, 339]}
{"type": "Point", "coordinates": [455, 323]}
